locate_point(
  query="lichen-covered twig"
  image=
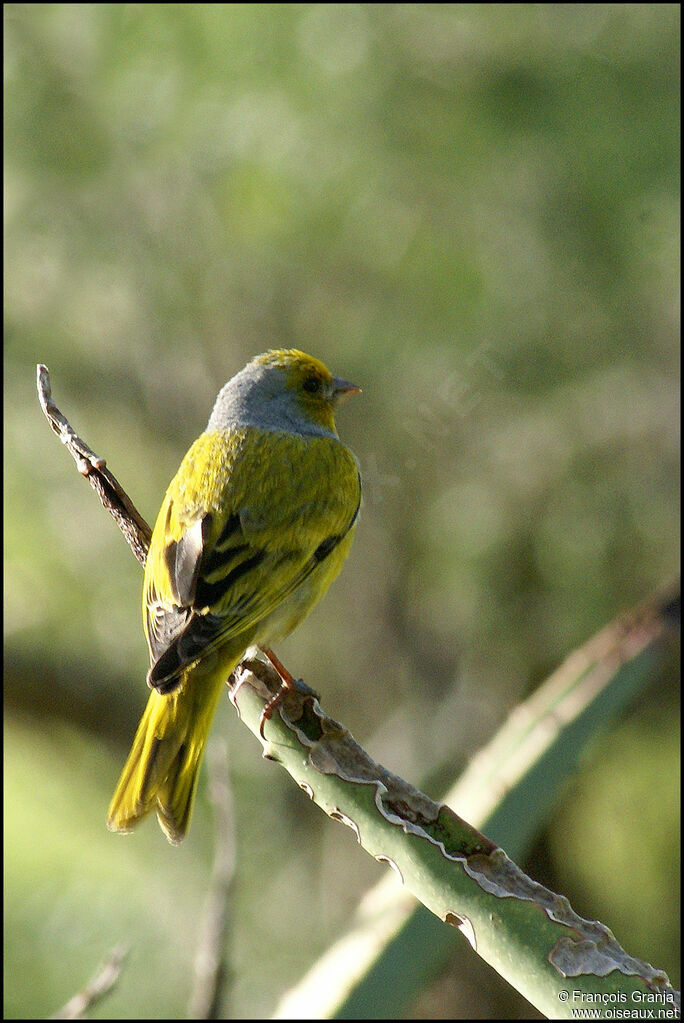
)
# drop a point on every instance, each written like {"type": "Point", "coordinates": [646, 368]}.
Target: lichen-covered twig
{"type": "Point", "coordinates": [505, 791]}
{"type": "Point", "coordinates": [529, 934]}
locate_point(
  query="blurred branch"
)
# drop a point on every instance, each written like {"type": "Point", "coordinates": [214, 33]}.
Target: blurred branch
{"type": "Point", "coordinates": [210, 958]}
{"type": "Point", "coordinates": [506, 790]}
{"type": "Point", "coordinates": [531, 936]}
{"type": "Point", "coordinates": [102, 982]}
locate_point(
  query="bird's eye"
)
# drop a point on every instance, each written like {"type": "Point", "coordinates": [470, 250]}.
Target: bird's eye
{"type": "Point", "coordinates": [312, 385]}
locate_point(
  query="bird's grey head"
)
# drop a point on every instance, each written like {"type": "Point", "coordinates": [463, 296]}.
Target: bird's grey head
{"type": "Point", "coordinates": [273, 392]}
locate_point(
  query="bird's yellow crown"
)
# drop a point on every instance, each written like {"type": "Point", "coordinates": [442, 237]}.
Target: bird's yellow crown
{"type": "Point", "coordinates": [292, 359]}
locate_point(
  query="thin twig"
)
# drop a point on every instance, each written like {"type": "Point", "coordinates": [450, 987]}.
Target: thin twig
{"type": "Point", "coordinates": [97, 987]}
{"type": "Point", "coordinates": [111, 493]}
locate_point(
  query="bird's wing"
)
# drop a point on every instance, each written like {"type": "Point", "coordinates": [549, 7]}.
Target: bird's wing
{"type": "Point", "coordinates": [232, 543]}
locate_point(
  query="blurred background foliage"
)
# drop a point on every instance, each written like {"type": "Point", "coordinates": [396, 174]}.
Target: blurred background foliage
{"type": "Point", "coordinates": [471, 210]}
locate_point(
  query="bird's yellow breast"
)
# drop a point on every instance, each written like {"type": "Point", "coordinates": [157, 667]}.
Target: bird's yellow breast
{"type": "Point", "coordinates": [291, 494]}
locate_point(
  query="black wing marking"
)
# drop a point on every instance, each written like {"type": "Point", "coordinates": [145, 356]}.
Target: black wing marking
{"type": "Point", "coordinates": [202, 577]}
{"type": "Point", "coordinates": [197, 635]}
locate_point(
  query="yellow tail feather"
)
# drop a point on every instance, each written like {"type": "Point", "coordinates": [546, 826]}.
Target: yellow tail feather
{"type": "Point", "coordinates": [163, 766]}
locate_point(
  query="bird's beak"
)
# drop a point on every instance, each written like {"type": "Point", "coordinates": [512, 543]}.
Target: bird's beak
{"type": "Point", "coordinates": [342, 389]}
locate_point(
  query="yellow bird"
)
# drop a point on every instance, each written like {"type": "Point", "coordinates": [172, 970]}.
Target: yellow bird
{"type": "Point", "coordinates": [254, 527]}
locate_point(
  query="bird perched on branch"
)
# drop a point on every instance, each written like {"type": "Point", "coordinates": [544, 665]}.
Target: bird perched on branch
{"type": "Point", "coordinates": [253, 529]}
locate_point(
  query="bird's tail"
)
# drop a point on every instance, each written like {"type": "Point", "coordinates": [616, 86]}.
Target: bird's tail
{"type": "Point", "coordinates": [163, 766]}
